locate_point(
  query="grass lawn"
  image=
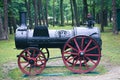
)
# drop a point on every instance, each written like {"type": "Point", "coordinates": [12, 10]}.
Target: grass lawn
{"type": "Point", "coordinates": [110, 50]}
{"type": "Point", "coordinates": [111, 47]}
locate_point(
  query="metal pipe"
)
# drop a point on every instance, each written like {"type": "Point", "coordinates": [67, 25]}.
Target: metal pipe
{"type": "Point", "coordinates": [22, 18]}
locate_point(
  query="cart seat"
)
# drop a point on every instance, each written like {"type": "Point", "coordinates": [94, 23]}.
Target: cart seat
{"type": "Point", "coordinates": [40, 31]}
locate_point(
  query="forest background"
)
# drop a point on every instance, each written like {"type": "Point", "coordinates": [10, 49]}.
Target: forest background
{"type": "Point", "coordinates": [57, 12]}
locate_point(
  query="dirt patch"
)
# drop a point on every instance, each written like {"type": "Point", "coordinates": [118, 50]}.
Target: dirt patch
{"type": "Point", "coordinates": [112, 74]}
{"type": "Point", "coordinates": [6, 68]}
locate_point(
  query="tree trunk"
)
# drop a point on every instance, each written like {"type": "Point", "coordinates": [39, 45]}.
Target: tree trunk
{"type": "Point", "coordinates": [14, 24]}
{"type": "Point", "coordinates": [72, 12]}
{"type": "Point", "coordinates": [46, 13]}
{"type": "Point", "coordinates": [106, 16]}
{"type": "Point", "coordinates": [2, 35]}
{"type": "Point", "coordinates": [61, 12]}
{"type": "Point", "coordinates": [76, 13]}
{"type": "Point", "coordinates": [10, 18]}
{"type": "Point", "coordinates": [28, 5]}
{"type": "Point", "coordinates": [115, 29]}
{"type": "Point", "coordinates": [40, 11]}
{"type": "Point", "coordinates": [110, 16]}
{"type": "Point", "coordinates": [102, 16]}
{"type": "Point", "coordinates": [36, 12]}
{"type": "Point", "coordinates": [94, 5]}
{"type": "Point", "coordinates": [53, 13]}
{"type": "Point", "coordinates": [10, 24]}
{"type": "Point", "coordinates": [85, 10]}
{"type": "Point", "coordinates": [43, 17]}
{"type": "Point", "coordinates": [43, 14]}
{"type": "Point", "coordinates": [98, 18]}
{"type": "Point", "coordinates": [6, 18]}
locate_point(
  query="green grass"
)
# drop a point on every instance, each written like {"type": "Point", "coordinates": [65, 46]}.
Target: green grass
{"type": "Point", "coordinates": [60, 27]}
{"type": "Point", "coordinates": [111, 47]}
{"type": "Point", "coordinates": [16, 74]}
{"type": "Point", "coordinates": [55, 71]}
{"type": "Point", "coordinates": [110, 51]}
{"type": "Point", "coordinates": [7, 50]}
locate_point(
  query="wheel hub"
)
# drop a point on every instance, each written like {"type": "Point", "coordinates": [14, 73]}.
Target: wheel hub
{"type": "Point", "coordinates": [82, 54]}
{"type": "Point", "coordinates": [31, 62]}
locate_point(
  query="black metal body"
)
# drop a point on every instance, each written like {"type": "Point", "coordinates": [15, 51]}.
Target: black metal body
{"type": "Point", "coordinates": [41, 39]}
{"type": "Point", "coordinates": [38, 40]}
{"type": "Point", "coordinates": [40, 36]}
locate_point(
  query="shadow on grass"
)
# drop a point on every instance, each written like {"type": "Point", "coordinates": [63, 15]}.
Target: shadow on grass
{"type": "Point", "coordinates": [51, 71]}
{"type": "Point", "coordinates": [62, 71]}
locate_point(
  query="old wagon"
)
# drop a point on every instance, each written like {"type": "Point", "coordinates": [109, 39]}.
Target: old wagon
{"type": "Point", "coordinates": [80, 47]}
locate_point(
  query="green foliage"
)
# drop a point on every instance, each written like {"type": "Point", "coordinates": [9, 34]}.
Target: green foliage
{"type": "Point", "coordinates": [1, 3]}
{"type": "Point", "coordinates": [118, 3]}
{"type": "Point", "coordinates": [16, 6]}
{"type": "Point", "coordinates": [19, 5]}
{"type": "Point", "coordinates": [1, 7]}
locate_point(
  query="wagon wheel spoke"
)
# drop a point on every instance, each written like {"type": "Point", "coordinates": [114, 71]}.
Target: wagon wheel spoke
{"type": "Point", "coordinates": [80, 65]}
{"type": "Point", "coordinates": [30, 69]}
{"type": "Point", "coordinates": [45, 51]}
{"type": "Point", "coordinates": [76, 43]}
{"type": "Point", "coordinates": [28, 53]}
{"type": "Point", "coordinates": [75, 62]}
{"type": "Point", "coordinates": [85, 62]}
{"type": "Point", "coordinates": [92, 48]}
{"type": "Point", "coordinates": [23, 62]}
{"type": "Point", "coordinates": [72, 53]}
{"type": "Point", "coordinates": [72, 47]}
{"type": "Point", "coordinates": [35, 70]}
{"type": "Point", "coordinates": [70, 58]}
{"type": "Point", "coordinates": [94, 55]}
{"type": "Point", "coordinates": [84, 54]}
{"type": "Point", "coordinates": [88, 45]}
{"type": "Point", "coordinates": [39, 55]}
{"type": "Point", "coordinates": [34, 53]}
{"type": "Point", "coordinates": [30, 66]}
{"type": "Point", "coordinates": [26, 65]}
{"type": "Point", "coordinates": [82, 43]}
{"type": "Point", "coordinates": [91, 60]}
{"type": "Point", "coordinates": [26, 58]}
{"type": "Point", "coordinates": [40, 60]}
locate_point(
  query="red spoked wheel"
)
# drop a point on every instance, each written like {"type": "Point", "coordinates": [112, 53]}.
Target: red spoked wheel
{"type": "Point", "coordinates": [31, 61]}
{"type": "Point", "coordinates": [81, 54]}
{"type": "Point", "coordinates": [46, 52]}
